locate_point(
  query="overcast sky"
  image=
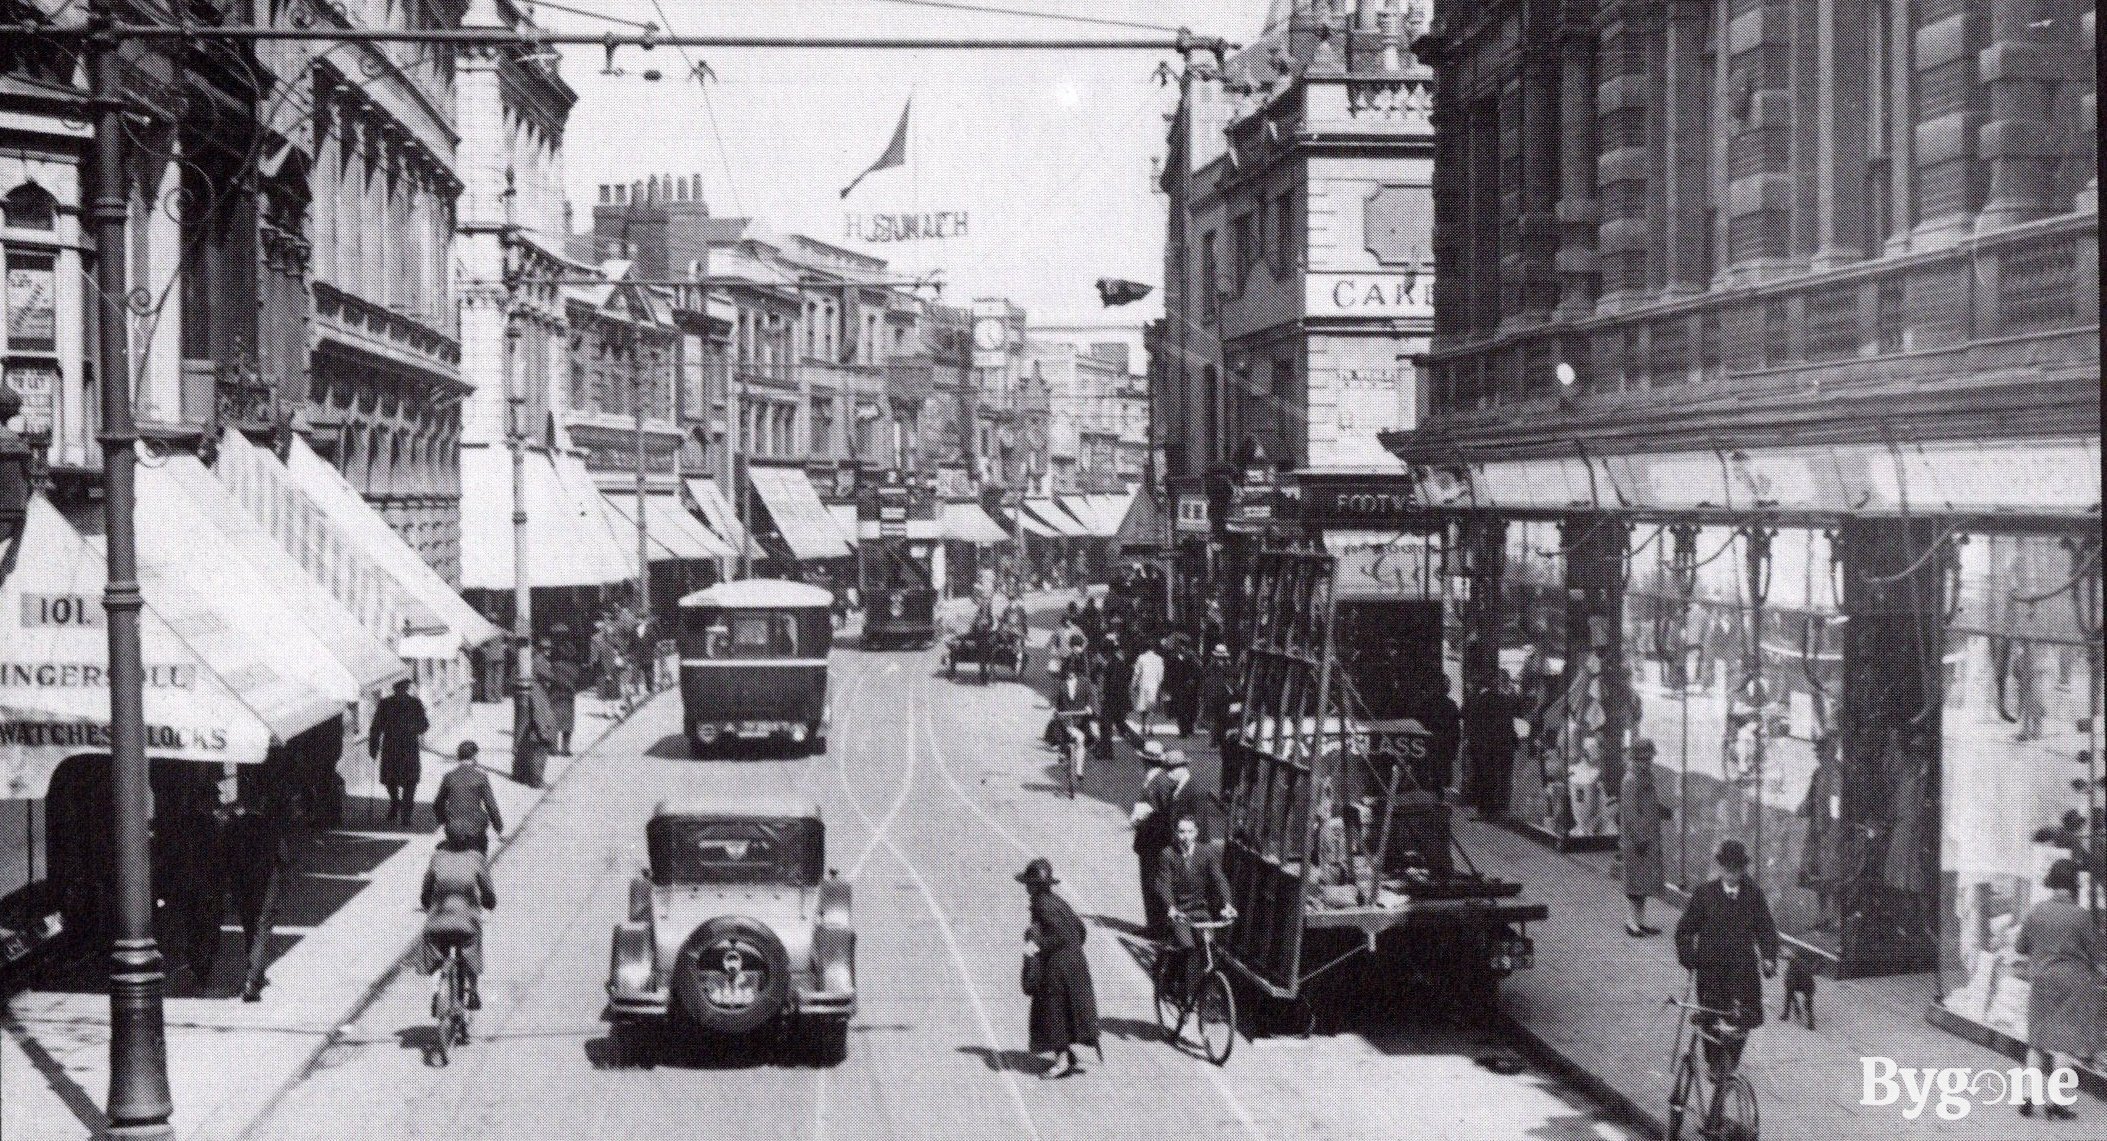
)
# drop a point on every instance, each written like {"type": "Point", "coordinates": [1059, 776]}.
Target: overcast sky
{"type": "Point", "coordinates": [1048, 153]}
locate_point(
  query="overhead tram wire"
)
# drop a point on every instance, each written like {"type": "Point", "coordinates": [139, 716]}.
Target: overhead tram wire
{"type": "Point", "coordinates": [1184, 41]}
{"type": "Point", "coordinates": [1030, 14]}
{"type": "Point", "coordinates": [709, 109]}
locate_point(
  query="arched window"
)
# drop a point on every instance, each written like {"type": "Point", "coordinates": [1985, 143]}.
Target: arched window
{"type": "Point", "coordinates": [30, 207]}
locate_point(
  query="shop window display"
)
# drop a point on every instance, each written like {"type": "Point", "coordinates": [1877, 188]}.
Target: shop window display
{"type": "Point", "coordinates": [2020, 759]}
{"type": "Point", "coordinates": [1533, 655]}
{"type": "Point", "coordinates": [1735, 677]}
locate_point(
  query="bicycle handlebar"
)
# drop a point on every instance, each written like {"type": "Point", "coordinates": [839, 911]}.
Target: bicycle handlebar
{"type": "Point", "coordinates": [1696, 1009]}
{"type": "Point", "coordinates": [1208, 924]}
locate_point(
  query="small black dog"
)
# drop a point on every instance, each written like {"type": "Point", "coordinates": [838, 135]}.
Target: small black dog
{"type": "Point", "coordinates": [1799, 988]}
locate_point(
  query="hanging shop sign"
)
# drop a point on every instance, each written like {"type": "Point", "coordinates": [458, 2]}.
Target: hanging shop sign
{"type": "Point", "coordinates": [936, 225]}
{"type": "Point", "coordinates": [1192, 515]}
{"type": "Point", "coordinates": [37, 383]}
{"type": "Point", "coordinates": [1368, 295]}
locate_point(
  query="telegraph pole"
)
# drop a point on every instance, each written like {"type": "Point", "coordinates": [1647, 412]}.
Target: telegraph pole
{"type": "Point", "coordinates": [139, 1104]}
{"type": "Point", "coordinates": [643, 550]}
{"type": "Point", "coordinates": [526, 759]}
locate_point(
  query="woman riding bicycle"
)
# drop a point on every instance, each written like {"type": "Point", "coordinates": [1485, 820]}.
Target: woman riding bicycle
{"type": "Point", "coordinates": [1192, 887]}
{"type": "Point", "coordinates": [456, 893]}
{"type": "Point", "coordinates": [1725, 937]}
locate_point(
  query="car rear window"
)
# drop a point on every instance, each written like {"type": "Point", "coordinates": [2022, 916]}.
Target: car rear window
{"type": "Point", "coordinates": [691, 851]}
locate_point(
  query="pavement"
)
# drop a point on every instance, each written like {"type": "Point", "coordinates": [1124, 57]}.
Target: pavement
{"type": "Point", "coordinates": [347, 916]}
{"type": "Point", "coordinates": [1595, 1007]}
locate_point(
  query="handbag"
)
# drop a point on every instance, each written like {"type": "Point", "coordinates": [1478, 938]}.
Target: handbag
{"type": "Point", "coordinates": [1032, 974]}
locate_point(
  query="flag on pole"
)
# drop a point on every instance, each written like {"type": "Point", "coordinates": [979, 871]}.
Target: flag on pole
{"type": "Point", "coordinates": [895, 151]}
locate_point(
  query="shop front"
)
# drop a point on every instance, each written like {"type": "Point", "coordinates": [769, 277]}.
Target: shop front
{"type": "Point", "coordinates": [226, 692]}
{"type": "Point", "coordinates": [1895, 710]}
{"type": "Point", "coordinates": [2020, 734]}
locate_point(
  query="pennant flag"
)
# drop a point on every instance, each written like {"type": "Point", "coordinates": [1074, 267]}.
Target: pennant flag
{"type": "Point", "coordinates": [895, 151]}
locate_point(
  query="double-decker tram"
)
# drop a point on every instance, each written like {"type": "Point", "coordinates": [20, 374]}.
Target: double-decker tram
{"type": "Point", "coordinates": [896, 553]}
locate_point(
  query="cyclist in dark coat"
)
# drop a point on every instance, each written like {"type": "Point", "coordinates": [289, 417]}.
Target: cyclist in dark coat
{"type": "Point", "coordinates": [1064, 1007]}
{"type": "Point", "coordinates": [1726, 936]}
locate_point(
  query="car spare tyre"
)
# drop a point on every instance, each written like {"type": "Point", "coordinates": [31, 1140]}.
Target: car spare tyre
{"type": "Point", "coordinates": [733, 975]}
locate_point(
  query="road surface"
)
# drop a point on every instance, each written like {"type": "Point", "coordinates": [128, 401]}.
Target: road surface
{"type": "Point", "coordinates": [935, 794]}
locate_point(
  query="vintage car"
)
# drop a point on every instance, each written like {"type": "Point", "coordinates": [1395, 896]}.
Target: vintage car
{"type": "Point", "coordinates": [737, 929]}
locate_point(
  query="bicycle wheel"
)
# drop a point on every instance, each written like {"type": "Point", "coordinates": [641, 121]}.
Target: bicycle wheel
{"type": "Point", "coordinates": [1068, 770]}
{"type": "Point", "coordinates": [1689, 1090]}
{"type": "Point", "coordinates": [1168, 1017]}
{"type": "Point", "coordinates": [1733, 1110]}
{"type": "Point", "coordinates": [445, 999]}
{"type": "Point", "coordinates": [1215, 1015]}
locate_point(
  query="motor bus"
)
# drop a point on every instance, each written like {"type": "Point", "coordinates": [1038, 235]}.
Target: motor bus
{"type": "Point", "coordinates": [753, 663]}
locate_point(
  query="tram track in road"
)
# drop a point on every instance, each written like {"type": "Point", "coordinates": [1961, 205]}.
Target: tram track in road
{"type": "Point", "coordinates": [941, 762]}
{"type": "Point", "coordinates": [990, 1041]}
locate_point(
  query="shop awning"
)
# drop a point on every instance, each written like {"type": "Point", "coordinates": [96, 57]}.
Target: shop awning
{"type": "Point", "coordinates": [1084, 512]}
{"type": "Point", "coordinates": [568, 540]}
{"type": "Point", "coordinates": [183, 548]}
{"type": "Point", "coordinates": [967, 523]}
{"type": "Point", "coordinates": [1141, 526]}
{"type": "Point", "coordinates": [327, 490]}
{"type": "Point", "coordinates": [212, 693]}
{"type": "Point", "coordinates": [803, 521]}
{"type": "Point", "coordinates": [844, 516]}
{"type": "Point", "coordinates": [334, 555]}
{"type": "Point", "coordinates": [717, 511]}
{"type": "Point", "coordinates": [369, 660]}
{"type": "Point", "coordinates": [1060, 522]}
{"type": "Point", "coordinates": [674, 534]}
{"type": "Point", "coordinates": [1035, 527]}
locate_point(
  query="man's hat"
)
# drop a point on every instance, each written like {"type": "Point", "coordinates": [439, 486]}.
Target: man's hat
{"type": "Point", "coordinates": [1733, 856]}
{"type": "Point", "coordinates": [1152, 752]}
{"type": "Point", "coordinates": [466, 751]}
{"type": "Point", "coordinates": [1038, 873]}
{"type": "Point", "coordinates": [1643, 749]}
{"type": "Point", "coordinates": [1175, 759]}
{"type": "Point", "coordinates": [1221, 650]}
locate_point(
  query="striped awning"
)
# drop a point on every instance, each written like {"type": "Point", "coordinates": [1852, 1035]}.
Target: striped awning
{"type": "Point", "coordinates": [673, 533]}
{"type": "Point", "coordinates": [569, 542]}
{"type": "Point", "coordinates": [800, 518]}
{"type": "Point", "coordinates": [370, 662]}
{"type": "Point", "coordinates": [717, 511]}
{"type": "Point", "coordinates": [967, 523]}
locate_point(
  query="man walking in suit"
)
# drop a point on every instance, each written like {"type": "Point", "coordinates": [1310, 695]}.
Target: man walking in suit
{"type": "Point", "coordinates": [398, 729]}
{"type": "Point", "coordinates": [1190, 886]}
{"type": "Point", "coordinates": [465, 806]}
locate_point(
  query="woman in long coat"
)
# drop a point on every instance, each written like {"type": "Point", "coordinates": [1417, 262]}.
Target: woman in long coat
{"type": "Point", "coordinates": [2064, 957]}
{"type": "Point", "coordinates": [1639, 814]}
{"type": "Point", "coordinates": [1064, 1006]}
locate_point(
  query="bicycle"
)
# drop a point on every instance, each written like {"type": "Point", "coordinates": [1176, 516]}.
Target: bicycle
{"type": "Point", "coordinates": [1075, 749]}
{"type": "Point", "coordinates": [1729, 1112]}
{"type": "Point", "coordinates": [1211, 1000]}
{"type": "Point", "coordinates": [450, 1002]}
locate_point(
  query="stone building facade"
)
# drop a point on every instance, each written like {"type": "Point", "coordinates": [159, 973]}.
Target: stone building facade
{"type": "Point", "coordinates": [1763, 424]}
{"type": "Point", "coordinates": [384, 389]}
